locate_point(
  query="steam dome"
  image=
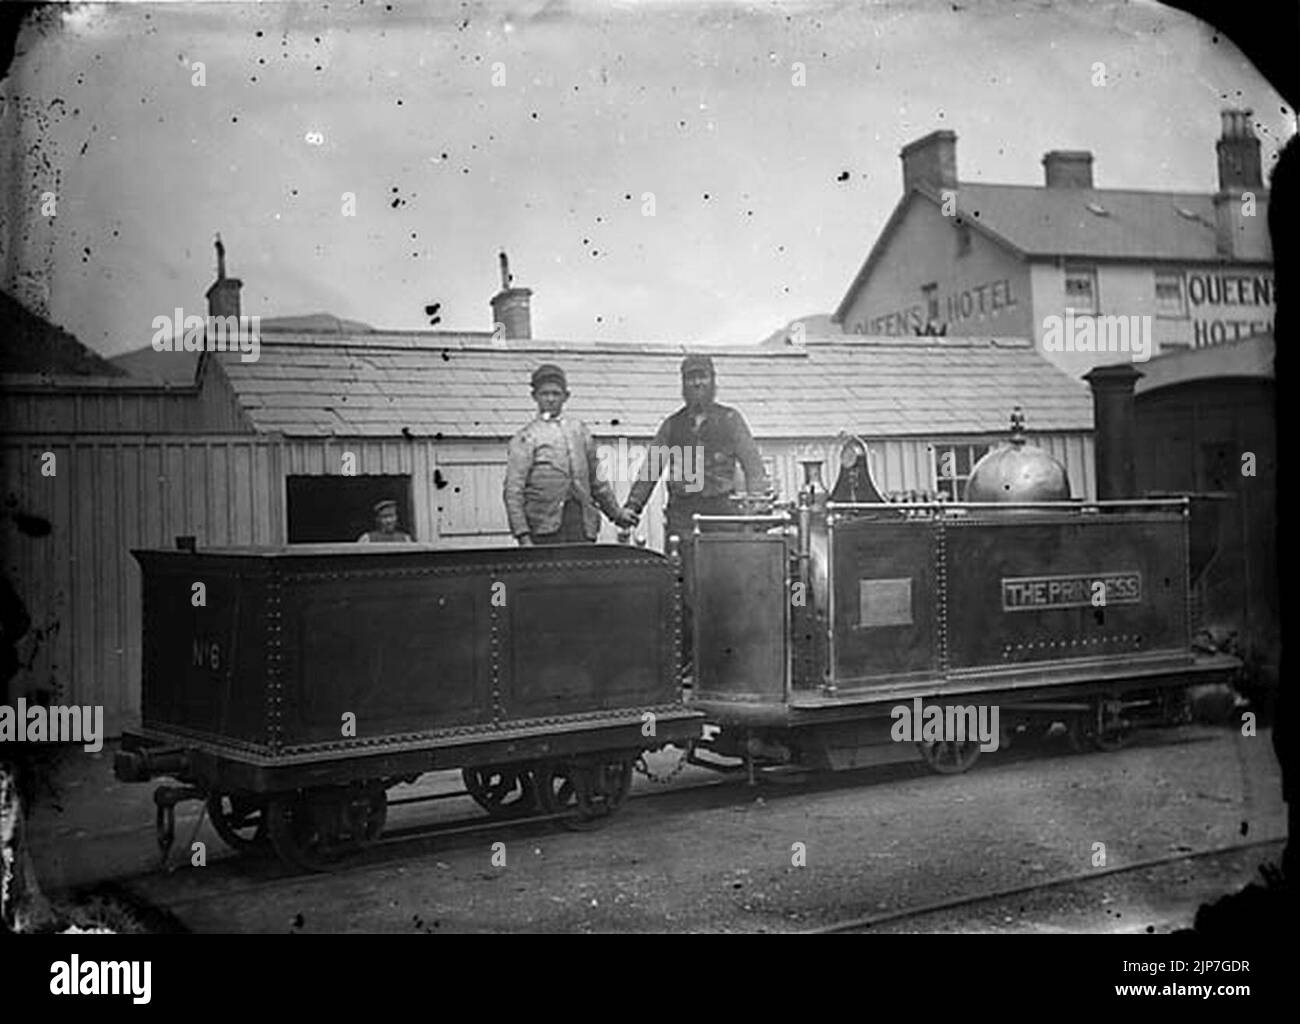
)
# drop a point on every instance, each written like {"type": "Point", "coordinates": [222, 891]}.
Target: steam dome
{"type": "Point", "coordinates": [1018, 471]}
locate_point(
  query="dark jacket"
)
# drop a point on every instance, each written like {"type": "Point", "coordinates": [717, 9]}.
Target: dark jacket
{"type": "Point", "coordinates": [724, 438]}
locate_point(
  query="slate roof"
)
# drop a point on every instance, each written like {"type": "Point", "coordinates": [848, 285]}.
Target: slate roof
{"type": "Point", "coordinates": [1036, 222]}
{"type": "Point", "coordinates": [179, 368]}
{"type": "Point", "coordinates": [1138, 225]}
{"type": "Point", "coordinates": [460, 385]}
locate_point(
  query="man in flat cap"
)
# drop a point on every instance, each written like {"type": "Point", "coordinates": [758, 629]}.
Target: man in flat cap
{"type": "Point", "coordinates": [385, 530]}
{"type": "Point", "coordinates": [712, 437]}
{"type": "Point", "coordinates": [711, 434]}
{"type": "Point", "coordinates": [553, 485]}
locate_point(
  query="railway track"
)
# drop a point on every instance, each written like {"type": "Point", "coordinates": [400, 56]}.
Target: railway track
{"type": "Point", "coordinates": [256, 877]}
{"type": "Point", "coordinates": [871, 921]}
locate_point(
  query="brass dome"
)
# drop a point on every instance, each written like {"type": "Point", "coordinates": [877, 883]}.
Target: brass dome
{"type": "Point", "coordinates": [1018, 471]}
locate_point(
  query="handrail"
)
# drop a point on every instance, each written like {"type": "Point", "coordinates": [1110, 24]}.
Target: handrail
{"type": "Point", "coordinates": [836, 506]}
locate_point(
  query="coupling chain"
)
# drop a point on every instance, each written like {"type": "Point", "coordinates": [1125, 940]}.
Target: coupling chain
{"type": "Point", "coordinates": [644, 769]}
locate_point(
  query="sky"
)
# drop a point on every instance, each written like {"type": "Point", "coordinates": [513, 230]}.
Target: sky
{"type": "Point", "coordinates": [656, 171]}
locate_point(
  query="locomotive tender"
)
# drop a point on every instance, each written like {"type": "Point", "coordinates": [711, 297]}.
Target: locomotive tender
{"type": "Point", "coordinates": [314, 678]}
{"type": "Point", "coordinates": [310, 680]}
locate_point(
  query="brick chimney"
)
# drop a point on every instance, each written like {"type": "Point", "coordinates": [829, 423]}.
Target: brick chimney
{"type": "Point", "coordinates": [1238, 150]}
{"type": "Point", "coordinates": [1068, 168]}
{"type": "Point", "coordinates": [1114, 418]}
{"type": "Point", "coordinates": [931, 161]}
{"type": "Point", "coordinates": [223, 295]}
{"type": "Point", "coordinates": [511, 306]}
{"type": "Point", "coordinates": [1237, 235]}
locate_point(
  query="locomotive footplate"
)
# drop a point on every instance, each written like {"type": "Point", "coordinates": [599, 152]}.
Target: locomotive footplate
{"type": "Point", "coordinates": [217, 767]}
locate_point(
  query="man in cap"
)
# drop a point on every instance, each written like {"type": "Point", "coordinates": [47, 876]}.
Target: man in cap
{"type": "Point", "coordinates": [553, 485]}
{"type": "Point", "coordinates": [385, 530]}
{"type": "Point", "coordinates": [715, 437]}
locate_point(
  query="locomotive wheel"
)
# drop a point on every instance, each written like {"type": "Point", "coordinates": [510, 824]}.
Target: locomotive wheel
{"type": "Point", "coordinates": [950, 758]}
{"type": "Point", "coordinates": [591, 790]}
{"type": "Point", "coordinates": [239, 820]}
{"type": "Point", "coordinates": [502, 792]}
{"type": "Point", "coordinates": [1108, 730]}
{"type": "Point", "coordinates": [315, 829]}
{"type": "Point", "coordinates": [1079, 732]}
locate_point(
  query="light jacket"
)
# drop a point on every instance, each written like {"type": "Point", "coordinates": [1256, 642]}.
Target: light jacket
{"type": "Point", "coordinates": [547, 462]}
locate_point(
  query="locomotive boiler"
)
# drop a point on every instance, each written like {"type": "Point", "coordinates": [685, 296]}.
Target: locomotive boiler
{"type": "Point", "coordinates": [819, 628]}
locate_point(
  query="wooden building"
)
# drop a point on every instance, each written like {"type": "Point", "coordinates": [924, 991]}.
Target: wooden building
{"type": "Point", "coordinates": [296, 446]}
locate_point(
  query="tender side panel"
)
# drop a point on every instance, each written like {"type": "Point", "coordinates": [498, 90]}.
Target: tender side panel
{"type": "Point", "coordinates": [884, 601]}
{"type": "Point", "coordinates": [403, 653]}
{"type": "Point", "coordinates": [586, 637]}
{"type": "Point", "coordinates": [741, 614]}
{"type": "Point", "coordinates": [204, 664]}
{"type": "Point", "coordinates": [1037, 590]}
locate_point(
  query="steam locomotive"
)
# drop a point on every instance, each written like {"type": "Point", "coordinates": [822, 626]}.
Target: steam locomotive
{"type": "Point", "coordinates": [312, 679]}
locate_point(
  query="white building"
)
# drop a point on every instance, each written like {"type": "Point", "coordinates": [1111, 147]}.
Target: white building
{"type": "Point", "coordinates": [979, 259]}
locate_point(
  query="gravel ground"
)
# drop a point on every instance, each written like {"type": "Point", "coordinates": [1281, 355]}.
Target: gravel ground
{"type": "Point", "coordinates": [796, 852]}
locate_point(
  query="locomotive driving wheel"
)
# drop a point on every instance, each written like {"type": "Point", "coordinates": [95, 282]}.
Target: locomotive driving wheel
{"type": "Point", "coordinates": [502, 792]}
{"type": "Point", "coordinates": [592, 790]}
{"type": "Point", "coordinates": [950, 758]}
{"type": "Point", "coordinates": [314, 829]}
{"type": "Point", "coordinates": [240, 820]}
{"type": "Point", "coordinates": [1109, 730]}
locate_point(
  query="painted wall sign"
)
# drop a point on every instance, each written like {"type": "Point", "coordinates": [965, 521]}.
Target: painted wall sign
{"type": "Point", "coordinates": [1228, 306]}
{"type": "Point", "coordinates": [1035, 593]}
{"type": "Point", "coordinates": [990, 298]}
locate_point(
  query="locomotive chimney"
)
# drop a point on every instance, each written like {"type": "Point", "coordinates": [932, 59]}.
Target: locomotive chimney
{"type": "Point", "coordinates": [1115, 426]}
{"type": "Point", "coordinates": [510, 306]}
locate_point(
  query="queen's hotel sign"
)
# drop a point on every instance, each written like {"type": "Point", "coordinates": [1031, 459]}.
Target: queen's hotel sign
{"type": "Point", "coordinates": [1227, 305]}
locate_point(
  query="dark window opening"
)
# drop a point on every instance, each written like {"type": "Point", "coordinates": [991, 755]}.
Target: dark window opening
{"type": "Point", "coordinates": [339, 509]}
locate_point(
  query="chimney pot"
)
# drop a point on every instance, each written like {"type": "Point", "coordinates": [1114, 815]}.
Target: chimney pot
{"type": "Point", "coordinates": [1238, 151]}
{"type": "Point", "coordinates": [223, 294]}
{"type": "Point", "coordinates": [511, 307]}
{"type": "Point", "coordinates": [931, 161]}
{"type": "Point", "coordinates": [1068, 168]}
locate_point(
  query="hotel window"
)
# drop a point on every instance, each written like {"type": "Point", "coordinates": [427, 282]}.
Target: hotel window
{"type": "Point", "coordinates": [1081, 290]}
{"type": "Point", "coordinates": [930, 293]}
{"type": "Point", "coordinates": [1171, 300]}
{"type": "Point", "coordinates": [951, 468]}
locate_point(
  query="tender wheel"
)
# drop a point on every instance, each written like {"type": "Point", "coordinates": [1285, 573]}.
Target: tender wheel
{"type": "Point", "coordinates": [315, 829]}
{"type": "Point", "coordinates": [950, 758]}
{"type": "Point", "coordinates": [591, 790]}
{"type": "Point", "coordinates": [239, 820]}
{"type": "Point", "coordinates": [502, 792]}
